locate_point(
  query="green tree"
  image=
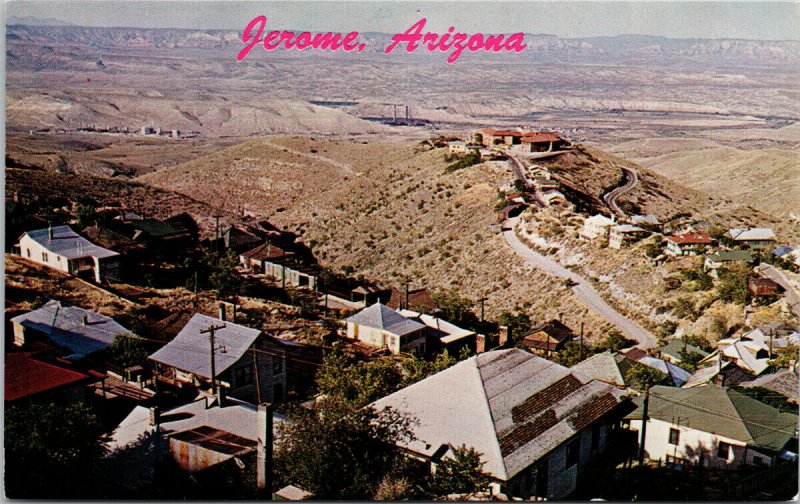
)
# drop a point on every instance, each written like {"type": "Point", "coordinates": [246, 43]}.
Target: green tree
{"type": "Point", "coordinates": [462, 473]}
{"type": "Point", "coordinates": [455, 309]}
{"type": "Point", "coordinates": [733, 284]}
{"type": "Point", "coordinates": [86, 215]}
{"type": "Point", "coordinates": [653, 247]}
{"type": "Point", "coordinates": [570, 353]}
{"type": "Point", "coordinates": [641, 377]}
{"type": "Point", "coordinates": [519, 324]}
{"type": "Point", "coordinates": [689, 360]}
{"type": "Point", "coordinates": [52, 451]}
{"type": "Point", "coordinates": [128, 350]}
{"type": "Point", "coordinates": [786, 355]}
{"type": "Point", "coordinates": [615, 341]}
{"type": "Point", "coordinates": [338, 452]}
{"type": "Point", "coordinates": [223, 276]}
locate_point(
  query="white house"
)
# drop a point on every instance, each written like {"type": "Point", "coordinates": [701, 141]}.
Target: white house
{"type": "Point", "coordinates": [535, 423]}
{"type": "Point", "coordinates": [687, 244]}
{"type": "Point", "coordinates": [63, 249]}
{"type": "Point", "coordinates": [596, 227]}
{"type": "Point", "coordinates": [753, 237]}
{"type": "Point", "coordinates": [380, 326]}
{"type": "Point", "coordinates": [713, 426]}
{"type": "Point", "coordinates": [624, 233]}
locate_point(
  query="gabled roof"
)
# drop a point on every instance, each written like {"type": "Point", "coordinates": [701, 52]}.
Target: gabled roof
{"type": "Point", "coordinates": [80, 331]}
{"type": "Point", "coordinates": [627, 228]}
{"type": "Point", "coordinates": [603, 366]}
{"type": "Point", "coordinates": [599, 220]}
{"type": "Point", "coordinates": [784, 382]}
{"type": "Point", "coordinates": [742, 234]}
{"type": "Point", "coordinates": [266, 251]}
{"type": "Point", "coordinates": [677, 375]}
{"type": "Point", "coordinates": [721, 411]}
{"type": "Point", "coordinates": [418, 300]}
{"type": "Point", "coordinates": [677, 345]}
{"type": "Point", "coordinates": [27, 376]}
{"type": "Point", "coordinates": [510, 405]}
{"type": "Point", "coordinates": [382, 317]}
{"type": "Point", "coordinates": [731, 255]}
{"type": "Point", "coordinates": [190, 350]}
{"type": "Point", "coordinates": [447, 332]}
{"type": "Point", "coordinates": [690, 239]}
{"type": "Point", "coordinates": [67, 243]}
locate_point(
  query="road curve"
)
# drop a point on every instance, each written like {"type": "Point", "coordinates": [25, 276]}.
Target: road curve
{"type": "Point", "coordinates": [583, 290]}
{"type": "Point", "coordinates": [792, 292]}
{"type": "Point", "coordinates": [611, 197]}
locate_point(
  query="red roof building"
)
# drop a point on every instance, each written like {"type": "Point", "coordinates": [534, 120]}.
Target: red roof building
{"type": "Point", "coordinates": [687, 244]}
{"type": "Point", "coordinates": [29, 378]}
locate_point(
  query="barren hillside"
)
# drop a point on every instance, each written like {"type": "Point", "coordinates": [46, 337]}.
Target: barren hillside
{"type": "Point", "coordinates": [767, 179]}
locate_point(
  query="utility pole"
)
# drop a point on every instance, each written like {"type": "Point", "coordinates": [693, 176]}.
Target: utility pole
{"type": "Point", "coordinates": [580, 347]}
{"type": "Point", "coordinates": [210, 330]}
{"type": "Point", "coordinates": [770, 342]}
{"type": "Point", "coordinates": [195, 288]}
{"type": "Point", "coordinates": [264, 455]}
{"type": "Point", "coordinates": [482, 301]}
{"type": "Point", "coordinates": [644, 424]}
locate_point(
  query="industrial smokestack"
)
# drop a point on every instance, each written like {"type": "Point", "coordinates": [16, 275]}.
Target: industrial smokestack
{"type": "Point", "coordinates": [264, 454]}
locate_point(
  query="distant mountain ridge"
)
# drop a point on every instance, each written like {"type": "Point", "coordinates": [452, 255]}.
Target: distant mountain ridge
{"type": "Point", "coordinates": [542, 47]}
{"type": "Point", "coordinates": [34, 21]}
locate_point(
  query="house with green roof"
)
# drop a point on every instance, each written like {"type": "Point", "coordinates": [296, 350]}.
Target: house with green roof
{"type": "Point", "coordinates": [722, 258]}
{"type": "Point", "coordinates": [671, 352]}
{"type": "Point", "coordinates": [715, 427]}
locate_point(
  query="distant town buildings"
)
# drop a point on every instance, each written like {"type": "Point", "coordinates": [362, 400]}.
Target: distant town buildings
{"type": "Point", "coordinates": [687, 244]}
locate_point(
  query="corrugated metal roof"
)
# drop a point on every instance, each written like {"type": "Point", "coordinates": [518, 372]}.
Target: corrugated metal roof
{"type": "Point", "coordinates": [26, 376]}
{"type": "Point", "coordinates": [190, 350]}
{"type": "Point", "coordinates": [382, 317]}
{"type": "Point", "coordinates": [69, 244]}
{"type": "Point", "coordinates": [81, 331]}
{"type": "Point", "coordinates": [473, 403]}
{"type": "Point", "coordinates": [743, 234]}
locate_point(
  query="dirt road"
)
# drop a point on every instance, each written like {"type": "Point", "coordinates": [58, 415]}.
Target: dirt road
{"type": "Point", "coordinates": [583, 290]}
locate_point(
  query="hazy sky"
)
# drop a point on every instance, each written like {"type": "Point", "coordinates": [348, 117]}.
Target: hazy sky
{"type": "Point", "coordinates": [730, 19]}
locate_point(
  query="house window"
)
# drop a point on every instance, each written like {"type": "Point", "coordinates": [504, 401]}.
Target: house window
{"type": "Point", "coordinates": [44, 256]}
{"type": "Point", "coordinates": [674, 436]}
{"type": "Point", "coordinates": [573, 449]}
{"type": "Point", "coordinates": [724, 450]}
{"type": "Point", "coordinates": [277, 365]}
{"type": "Point", "coordinates": [243, 376]}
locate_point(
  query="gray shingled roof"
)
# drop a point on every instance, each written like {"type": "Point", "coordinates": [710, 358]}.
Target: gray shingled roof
{"type": "Point", "coordinates": [190, 350]}
{"type": "Point", "coordinates": [512, 406]}
{"type": "Point", "coordinates": [602, 366]}
{"type": "Point", "coordinates": [67, 243]}
{"type": "Point", "coordinates": [382, 317]}
{"type": "Point", "coordinates": [784, 382]}
{"type": "Point", "coordinates": [80, 331]}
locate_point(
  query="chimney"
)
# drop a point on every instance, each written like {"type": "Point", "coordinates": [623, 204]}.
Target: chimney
{"type": "Point", "coordinates": [222, 312]}
{"type": "Point", "coordinates": [155, 416]}
{"type": "Point", "coordinates": [50, 230]}
{"type": "Point", "coordinates": [407, 113]}
{"type": "Point", "coordinates": [264, 453]}
{"type": "Point", "coordinates": [86, 320]}
{"type": "Point", "coordinates": [480, 344]}
{"type": "Point", "coordinates": [502, 335]}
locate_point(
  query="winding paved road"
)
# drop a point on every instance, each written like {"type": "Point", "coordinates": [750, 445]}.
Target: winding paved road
{"type": "Point", "coordinates": [611, 197]}
{"type": "Point", "coordinates": [583, 290]}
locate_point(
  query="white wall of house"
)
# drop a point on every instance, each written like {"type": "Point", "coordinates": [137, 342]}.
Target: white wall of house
{"type": "Point", "coordinates": [691, 443]}
{"type": "Point", "coordinates": [373, 336]}
{"type": "Point", "coordinates": [33, 251]}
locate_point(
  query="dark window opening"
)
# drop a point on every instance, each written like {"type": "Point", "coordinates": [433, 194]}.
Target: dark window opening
{"type": "Point", "coordinates": [674, 436]}
{"type": "Point", "coordinates": [724, 450]}
{"type": "Point", "coordinates": [573, 450]}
